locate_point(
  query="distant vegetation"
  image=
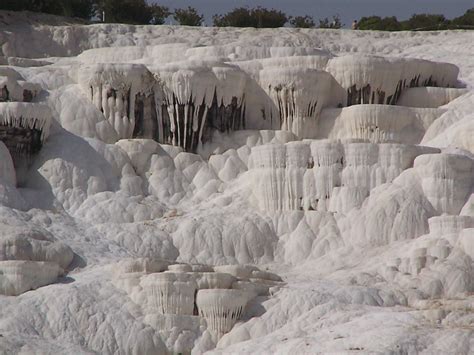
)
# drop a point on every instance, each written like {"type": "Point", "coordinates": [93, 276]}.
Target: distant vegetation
{"type": "Point", "coordinates": [188, 17]}
{"type": "Point", "coordinates": [71, 8]}
{"type": "Point", "coordinates": [258, 17]}
{"type": "Point", "coordinates": [302, 22]}
{"type": "Point", "coordinates": [418, 22]}
{"type": "Point", "coordinates": [335, 23]}
{"type": "Point", "coordinates": [141, 12]}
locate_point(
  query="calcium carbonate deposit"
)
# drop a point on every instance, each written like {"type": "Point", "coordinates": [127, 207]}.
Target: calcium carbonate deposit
{"type": "Point", "coordinates": [170, 190]}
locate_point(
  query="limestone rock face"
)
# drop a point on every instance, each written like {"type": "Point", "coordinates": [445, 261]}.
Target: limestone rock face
{"type": "Point", "coordinates": [378, 80]}
{"type": "Point", "coordinates": [221, 308]}
{"type": "Point", "coordinates": [191, 299]}
{"type": "Point", "coordinates": [19, 276]}
{"type": "Point", "coordinates": [170, 293]}
{"type": "Point", "coordinates": [7, 170]}
{"type": "Point", "coordinates": [429, 96]}
{"type": "Point", "coordinates": [326, 175]}
{"type": "Point", "coordinates": [24, 128]}
{"type": "Point", "coordinates": [190, 190]}
{"type": "Point", "coordinates": [124, 93]}
{"type": "Point", "coordinates": [29, 259]}
{"type": "Point", "coordinates": [446, 180]}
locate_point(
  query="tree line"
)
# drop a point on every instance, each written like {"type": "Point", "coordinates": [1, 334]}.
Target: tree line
{"type": "Point", "coordinates": [140, 12]}
{"type": "Point", "coordinates": [418, 22]}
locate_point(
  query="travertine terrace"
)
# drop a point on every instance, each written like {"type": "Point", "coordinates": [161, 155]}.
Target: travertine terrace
{"type": "Point", "coordinates": [201, 190]}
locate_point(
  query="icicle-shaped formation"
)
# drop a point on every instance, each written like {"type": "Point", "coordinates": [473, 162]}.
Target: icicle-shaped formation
{"type": "Point", "coordinates": [24, 127]}
{"type": "Point", "coordinates": [125, 93]}
{"type": "Point", "coordinates": [170, 293]}
{"type": "Point", "coordinates": [323, 175]}
{"type": "Point", "coordinates": [14, 88]}
{"type": "Point", "coordinates": [299, 94]}
{"type": "Point", "coordinates": [200, 98]}
{"type": "Point", "coordinates": [446, 179]}
{"type": "Point", "coordinates": [446, 224]}
{"type": "Point", "coordinates": [326, 175]}
{"type": "Point", "coordinates": [30, 116]}
{"type": "Point", "coordinates": [379, 80]}
{"type": "Point", "coordinates": [377, 123]}
{"type": "Point", "coordinates": [279, 171]}
{"type": "Point", "coordinates": [221, 308]}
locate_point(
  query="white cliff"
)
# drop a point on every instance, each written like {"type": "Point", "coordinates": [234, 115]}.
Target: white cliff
{"type": "Point", "coordinates": [170, 189]}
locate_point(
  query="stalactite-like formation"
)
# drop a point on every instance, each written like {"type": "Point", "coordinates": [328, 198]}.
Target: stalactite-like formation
{"type": "Point", "coordinates": [379, 80]}
{"type": "Point", "coordinates": [449, 224]}
{"type": "Point", "coordinates": [125, 94]}
{"type": "Point", "coordinates": [23, 129]}
{"type": "Point", "coordinates": [446, 180]}
{"type": "Point", "coordinates": [221, 308]}
{"type": "Point", "coordinates": [279, 181]}
{"type": "Point", "coordinates": [14, 89]}
{"type": "Point", "coordinates": [326, 175]}
{"type": "Point", "coordinates": [146, 119]}
{"type": "Point", "coordinates": [186, 102]}
{"type": "Point", "coordinates": [210, 297]}
{"type": "Point", "coordinates": [170, 293]}
{"type": "Point", "coordinates": [21, 141]}
{"type": "Point", "coordinates": [199, 99]}
{"type": "Point", "coordinates": [190, 124]}
{"type": "Point", "coordinates": [298, 95]}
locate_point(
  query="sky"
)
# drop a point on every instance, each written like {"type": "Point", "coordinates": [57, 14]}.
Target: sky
{"type": "Point", "coordinates": [348, 10]}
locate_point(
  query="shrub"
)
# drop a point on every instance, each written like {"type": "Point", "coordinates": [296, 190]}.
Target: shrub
{"type": "Point", "coordinates": [257, 17]}
{"type": "Point", "coordinates": [188, 17]}
{"type": "Point", "coordinates": [377, 23]}
{"type": "Point", "coordinates": [302, 22]}
{"type": "Point", "coordinates": [335, 23]}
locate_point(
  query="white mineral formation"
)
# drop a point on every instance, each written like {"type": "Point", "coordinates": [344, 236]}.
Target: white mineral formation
{"type": "Point", "coordinates": [200, 97]}
{"type": "Point", "coordinates": [207, 280]}
{"type": "Point", "coordinates": [429, 96]}
{"type": "Point", "coordinates": [17, 276]}
{"type": "Point", "coordinates": [14, 88]}
{"type": "Point", "coordinates": [324, 175]}
{"type": "Point", "coordinates": [125, 94]}
{"type": "Point", "coordinates": [158, 184]}
{"type": "Point", "coordinates": [221, 308]}
{"type": "Point", "coordinates": [377, 123]}
{"type": "Point", "coordinates": [26, 116]}
{"type": "Point", "coordinates": [299, 95]}
{"type": "Point", "coordinates": [279, 171]}
{"type": "Point", "coordinates": [169, 293]}
{"type": "Point", "coordinates": [381, 80]}
{"type": "Point", "coordinates": [446, 180]}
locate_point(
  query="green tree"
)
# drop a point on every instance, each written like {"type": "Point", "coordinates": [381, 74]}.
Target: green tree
{"type": "Point", "coordinates": [70, 8]}
{"type": "Point", "coordinates": [258, 17]}
{"type": "Point", "coordinates": [302, 22]}
{"type": "Point", "coordinates": [425, 22]}
{"type": "Point", "coordinates": [377, 23]}
{"type": "Point", "coordinates": [466, 20]}
{"type": "Point", "coordinates": [335, 23]}
{"type": "Point", "coordinates": [15, 5]}
{"type": "Point", "coordinates": [188, 17]}
{"type": "Point", "coordinates": [78, 8]}
{"type": "Point", "coordinates": [269, 18]}
{"type": "Point", "coordinates": [239, 17]}
{"type": "Point", "coordinates": [159, 14]}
